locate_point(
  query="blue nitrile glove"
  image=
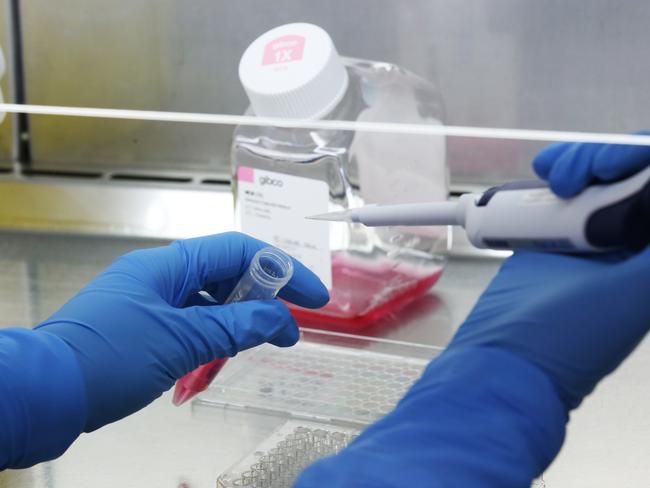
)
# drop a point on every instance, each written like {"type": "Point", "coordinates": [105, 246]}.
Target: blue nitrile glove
{"type": "Point", "coordinates": [571, 167]}
{"type": "Point", "coordinates": [491, 410]}
{"type": "Point", "coordinates": [141, 325]}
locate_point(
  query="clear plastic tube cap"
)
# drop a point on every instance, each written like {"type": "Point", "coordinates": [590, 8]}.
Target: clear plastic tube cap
{"type": "Point", "coordinates": [271, 268]}
{"type": "Point", "coordinates": [293, 71]}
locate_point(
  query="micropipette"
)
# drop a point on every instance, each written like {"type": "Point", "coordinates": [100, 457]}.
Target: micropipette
{"type": "Point", "coordinates": [269, 270]}
{"type": "Point", "coordinates": [526, 214]}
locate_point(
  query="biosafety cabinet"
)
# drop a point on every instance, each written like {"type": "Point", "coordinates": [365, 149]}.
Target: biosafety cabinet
{"type": "Point", "coordinates": [497, 80]}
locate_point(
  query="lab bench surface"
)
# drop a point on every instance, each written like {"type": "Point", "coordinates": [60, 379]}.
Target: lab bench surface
{"type": "Point", "coordinates": [608, 439]}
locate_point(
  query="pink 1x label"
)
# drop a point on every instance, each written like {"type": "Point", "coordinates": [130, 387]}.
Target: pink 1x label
{"type": "Point", "coordinates": [284, 50]}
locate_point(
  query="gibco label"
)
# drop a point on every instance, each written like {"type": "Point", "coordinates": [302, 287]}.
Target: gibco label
{"type": "Point", "coordinates": [284, 50]}
{"type": "Point", "coordinates": [273, 206]}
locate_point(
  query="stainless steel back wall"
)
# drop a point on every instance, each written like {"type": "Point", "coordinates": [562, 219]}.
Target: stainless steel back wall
{"type": "Point", "coordinates": [499, 63]}
{"type": "Point", "coordinates": [7, 139]}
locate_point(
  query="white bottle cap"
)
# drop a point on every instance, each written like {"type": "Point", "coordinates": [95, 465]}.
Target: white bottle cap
{"type": "Point", "coordinates": [293, 71]}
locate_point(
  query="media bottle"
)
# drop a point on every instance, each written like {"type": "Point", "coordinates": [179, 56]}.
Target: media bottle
{"type": "Point", "coordinates": [281, 175]}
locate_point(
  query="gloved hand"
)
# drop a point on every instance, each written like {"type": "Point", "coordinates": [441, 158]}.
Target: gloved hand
{"type": "Point", "coordinates": [576, 318]}
{"type": "Point", "coordinates": [571, 167]}
{"type": "Point", "coordinates": [491, 410]}
{"type": "Point", "coordinates": [141, 324]}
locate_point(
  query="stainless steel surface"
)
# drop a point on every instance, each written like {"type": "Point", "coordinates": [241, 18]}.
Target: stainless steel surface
{"type": "Point", "coordinates": [7, 138]}
{"type": "Point", "coordinates": [607, 445]}
{"type": "Point", "coordinates": [499, 63]}
{"type": "Point", "coordinates": [100, 206]}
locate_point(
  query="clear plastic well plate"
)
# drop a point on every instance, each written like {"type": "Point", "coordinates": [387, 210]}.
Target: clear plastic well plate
{"type": "Point", "coordinates": [328, 388]}
{"type": "Point", "coordinates": [328, 377]}
{"type": "Point", "coordinates": [279, 459]}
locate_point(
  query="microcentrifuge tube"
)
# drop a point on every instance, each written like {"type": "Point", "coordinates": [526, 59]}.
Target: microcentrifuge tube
{"type": "Point", "coordinates": [269, 270]}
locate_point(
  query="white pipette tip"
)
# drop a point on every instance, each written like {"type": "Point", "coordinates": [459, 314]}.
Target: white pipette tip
{"type": "Point", "coordinates": [342, 216]}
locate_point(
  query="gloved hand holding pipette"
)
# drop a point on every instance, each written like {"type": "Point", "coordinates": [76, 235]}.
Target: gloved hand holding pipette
{"type": "Point", "coordinates": [527, 215]}
{"type": "Point", "coordinates": [128, 335]}
{"type": "Point", "coordinates": [491, 410]}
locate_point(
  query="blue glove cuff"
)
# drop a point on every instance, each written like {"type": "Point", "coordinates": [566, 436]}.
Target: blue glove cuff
{"type": "Point", "coordinates": [501, 407]}
{"type": "Point", "coordinates": [42, 397]}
